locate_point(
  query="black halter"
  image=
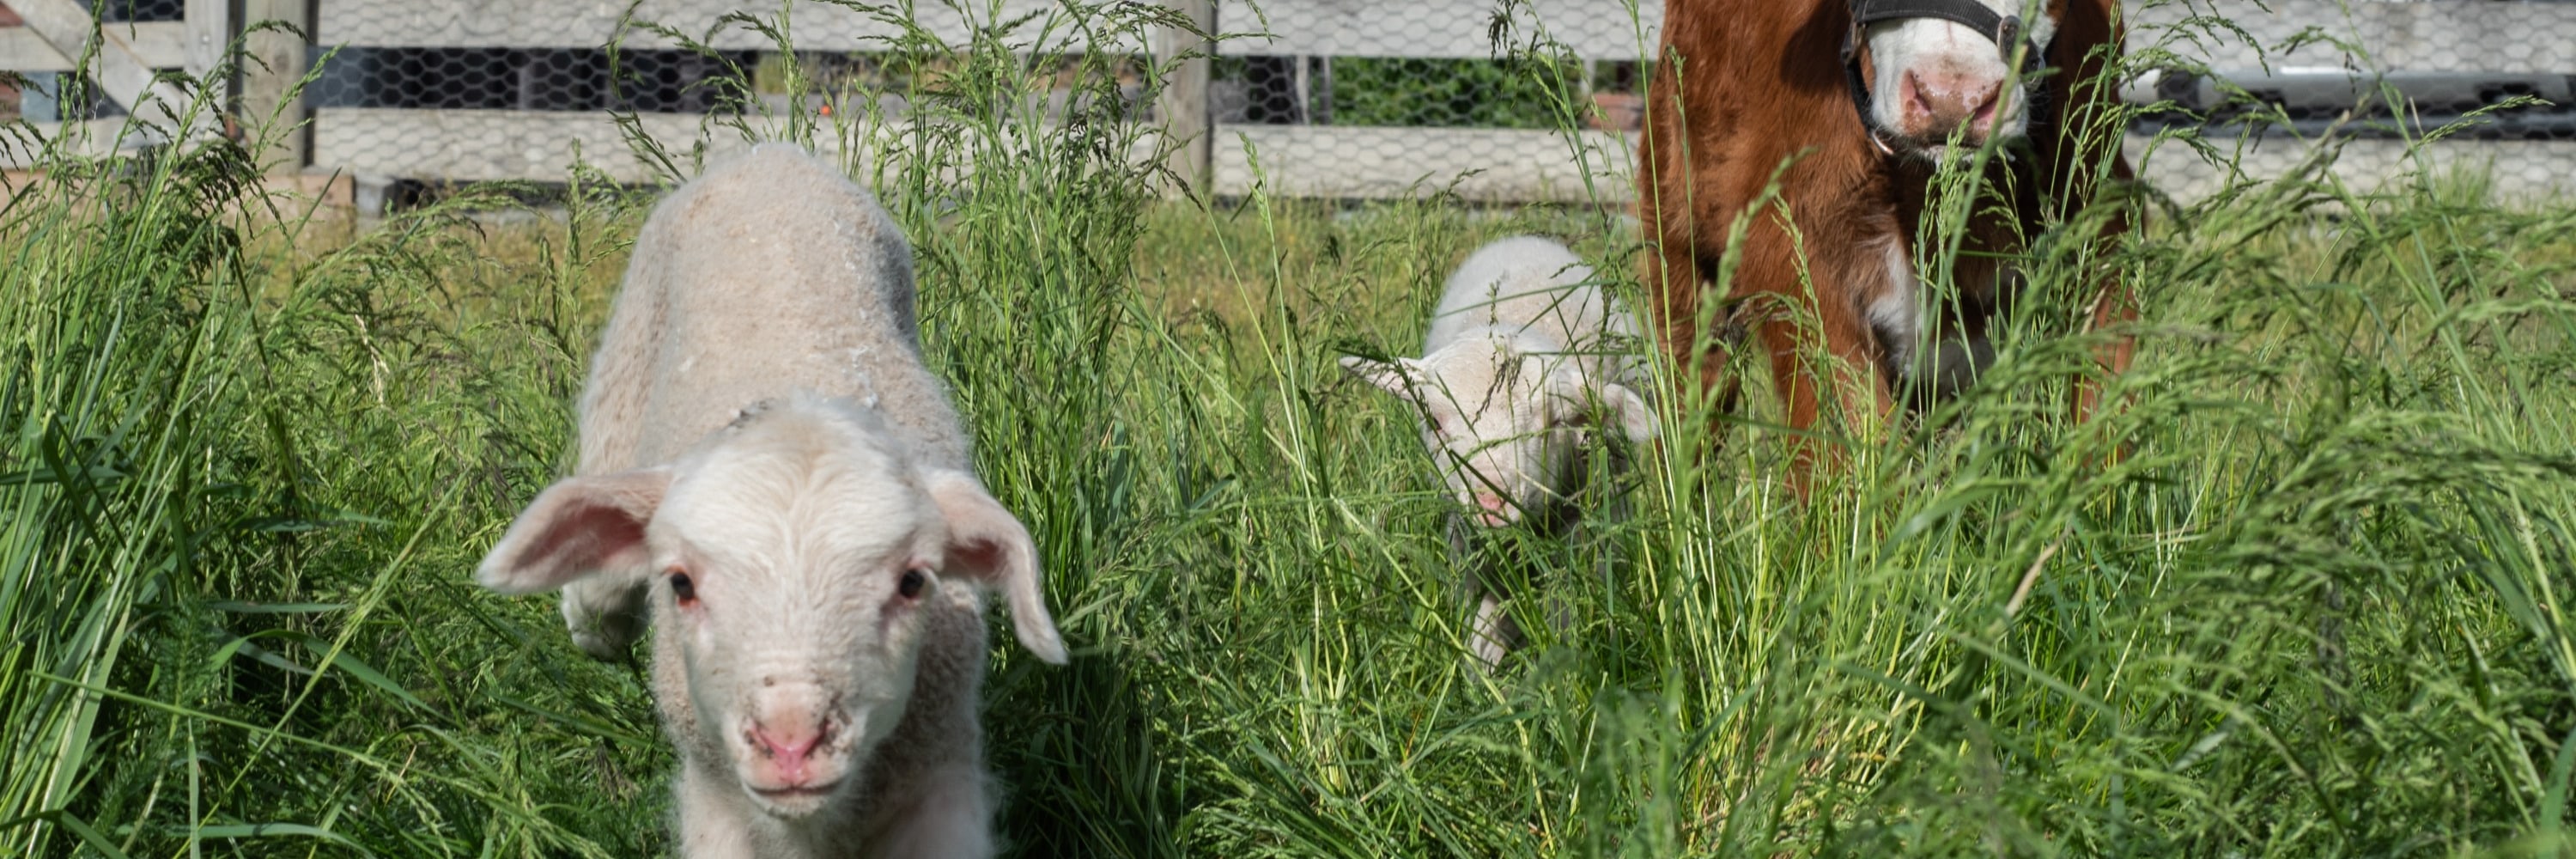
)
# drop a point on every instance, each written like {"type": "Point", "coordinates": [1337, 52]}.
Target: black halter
{"type": "Point", "coordinates": [2005, 30]}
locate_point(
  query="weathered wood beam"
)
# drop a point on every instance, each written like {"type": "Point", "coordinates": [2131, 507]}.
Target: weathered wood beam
{"type": "Point", "coordinates": [162, 44]}
{"type": "Point", "coordinates": [122, 69]}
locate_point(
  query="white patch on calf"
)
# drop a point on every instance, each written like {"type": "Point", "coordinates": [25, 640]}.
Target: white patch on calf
{"type": "Point", "coordinates": [1896, 313]}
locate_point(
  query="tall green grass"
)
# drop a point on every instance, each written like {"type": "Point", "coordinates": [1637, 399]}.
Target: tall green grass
{"type": "Point", "coordinates": [2318, 609]}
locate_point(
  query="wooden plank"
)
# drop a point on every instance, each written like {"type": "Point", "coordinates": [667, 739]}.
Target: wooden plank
{"type": "Point", "coordinates": [1484, 164]}
{"type": "Point", "coordinates": [2538, 38]}
{"type": "Point", "coordinates": [90, 138]}
{"type": "Point", "coordinates": [554, 23]}
{"type": "Point", "coordinates": [2524, 170]}
{"type": "Point", "coordinates": [1447, 29]}
{"type": "Point", "coordinates": [290, 195]}
{"type": "Point", "coordinates": [206, 31]}
{"type": "Point", "coordinates": [527, 145]}
{"type": "Point", "coordinates": [1495, 165]}
{"type": "Point", "coordinates": [1540, 166]}
{"type": "Point", "coordinates": [122, 71]}
{"type": "Point", "coordinates": [493, 145]}
{"type": "Point", "coordinates": [160, 44]}
{"type": "Point", "coordinates": [2497, 37]}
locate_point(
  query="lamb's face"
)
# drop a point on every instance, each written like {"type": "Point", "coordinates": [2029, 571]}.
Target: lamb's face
{"type": "Point", "coordinates": [793, 562]}
{"type": "Point", "coordinates": [794, 558]}
{"type": "Point", "coordinates": [1486, 415]}
{"type": "Point", "coordinates": [1929, 77]}
{"type": "Point", "coordinates": [1504, 425]}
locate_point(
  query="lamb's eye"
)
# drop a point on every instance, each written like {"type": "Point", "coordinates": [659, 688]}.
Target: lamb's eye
{"type": "Point", "coordinates": [912, 583]}
{"type": "Point", "coordinates": [682, 589]}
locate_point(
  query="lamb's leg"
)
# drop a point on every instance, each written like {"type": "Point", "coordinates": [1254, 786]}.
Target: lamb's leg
{"type": "Point", "coordinates": [607, 611]}
{"type": "Point", "coordinates": [1490, 635]}
{"type": "Point", "coordinates": [951, 815]}
{"type": "Point", "coordinates": [1605, 498]}
{"type": "Point", "coordinates": [1494, 634]}
{"type": "Point", "coordinates": [712, 824]}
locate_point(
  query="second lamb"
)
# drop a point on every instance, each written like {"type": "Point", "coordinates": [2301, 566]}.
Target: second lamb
{"type": "Point", "coordinates": [1525, 358]}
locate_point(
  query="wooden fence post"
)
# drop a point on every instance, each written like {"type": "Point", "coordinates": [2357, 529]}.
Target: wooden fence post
{"type": "Point", "coordinates": [272, 62]}
{"type": "Point", "coordinates": [1183, 103]}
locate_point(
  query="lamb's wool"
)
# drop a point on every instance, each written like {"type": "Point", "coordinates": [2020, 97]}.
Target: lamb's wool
{"type": "Point", "coordinates": [1523, 358]}
{"type": "Point", "coordinates": [765, 342]}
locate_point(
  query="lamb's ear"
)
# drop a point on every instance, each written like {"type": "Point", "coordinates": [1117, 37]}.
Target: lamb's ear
{"type": "Point", "coordinates": [1628, 411]}
{"type": "Point", "coordinates": [576, 527]}
{"type": "Point", "coordinates": [1609, 404]}
{"type": "Point", "coordinates": [1394, 377]}
{"type": "Point", "coordinates": [989, 546]}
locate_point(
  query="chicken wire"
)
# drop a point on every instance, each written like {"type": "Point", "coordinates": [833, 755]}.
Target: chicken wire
{"type": "Point", "coordinates": [1536, 64]}
{"type": "Point", "coordinates": [1425, 92]}
{"type": "Point", "coordinates": [548, 79]}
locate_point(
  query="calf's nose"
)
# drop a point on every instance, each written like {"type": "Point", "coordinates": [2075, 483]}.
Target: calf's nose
{"type": "Point", "coordinates": [1937, 102]}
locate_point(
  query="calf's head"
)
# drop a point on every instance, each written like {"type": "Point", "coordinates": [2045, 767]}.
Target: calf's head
{"type": "Point", "coordinates": [1930, 76]}
{"type": "Point", "coordinates": [1505, 423]}
{"type": "Point", "coordinates": [796, 555]}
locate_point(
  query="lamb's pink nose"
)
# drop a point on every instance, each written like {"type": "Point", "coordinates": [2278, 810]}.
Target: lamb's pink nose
{"type": "Point", "coordinates": [788, 749]}
{"type": "Point", "coordinates": [1493, 510]}
{"type": "Point", "coordinates": [1490, 501]}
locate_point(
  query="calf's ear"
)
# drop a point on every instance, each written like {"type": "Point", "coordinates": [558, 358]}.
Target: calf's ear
{"type": "Point", "coordinates": [579, 526]}
{"type": "Point", "coordinates": [989, 546]}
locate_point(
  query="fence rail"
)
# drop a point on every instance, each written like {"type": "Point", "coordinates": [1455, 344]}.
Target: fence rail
{"type": "Point", "coordinates": [563, 23]}
{"type": "Point", "coordinates": [1312, 56]}
{"type": "Point", "coordinates": [156, 44]}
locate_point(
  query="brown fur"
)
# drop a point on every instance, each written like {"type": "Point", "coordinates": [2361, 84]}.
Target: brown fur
{"type": "Point", "coordinates": [1760, 82]}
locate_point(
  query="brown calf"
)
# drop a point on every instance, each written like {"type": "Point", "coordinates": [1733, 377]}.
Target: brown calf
{"type": "Point", "coordinates": [1744, 86]}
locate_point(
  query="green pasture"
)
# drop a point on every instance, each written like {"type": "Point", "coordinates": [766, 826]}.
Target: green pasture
{"type": "Point", "coordinates": [2306, 591]}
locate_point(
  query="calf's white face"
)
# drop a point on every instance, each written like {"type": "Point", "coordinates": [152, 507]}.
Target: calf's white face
{"type": "Point", "coordinates": [1504, 424]}
{"type": "Point", "coordinates": [1932, 76]}
{"type": "Point", "coordinates": [794, 556]}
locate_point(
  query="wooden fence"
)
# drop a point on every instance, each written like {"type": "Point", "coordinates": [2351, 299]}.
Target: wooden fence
{"type": "Point", "coordinates": [60, 36]}
{"type": "Point", "coordinates": [1332, 160]}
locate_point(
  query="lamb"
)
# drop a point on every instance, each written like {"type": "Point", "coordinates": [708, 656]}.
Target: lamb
{"type": "Point", "coordinates": [1523, 357]}
{"type": "Point", "coordinates": [766, 462]}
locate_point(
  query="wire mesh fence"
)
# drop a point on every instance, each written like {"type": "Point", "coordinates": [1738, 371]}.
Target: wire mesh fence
{"type": "Point", "coordinates": [1425, 92]}
{"type": "Point", "coordinates": [553, 79]}
{"type": "Point", "coordinates": [137, 11]}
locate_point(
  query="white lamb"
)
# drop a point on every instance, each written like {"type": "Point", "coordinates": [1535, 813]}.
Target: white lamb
{"type": "Point", "coordinates": [1524, 357]}
{"type": "Point", "coordinates": [766, 461]}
